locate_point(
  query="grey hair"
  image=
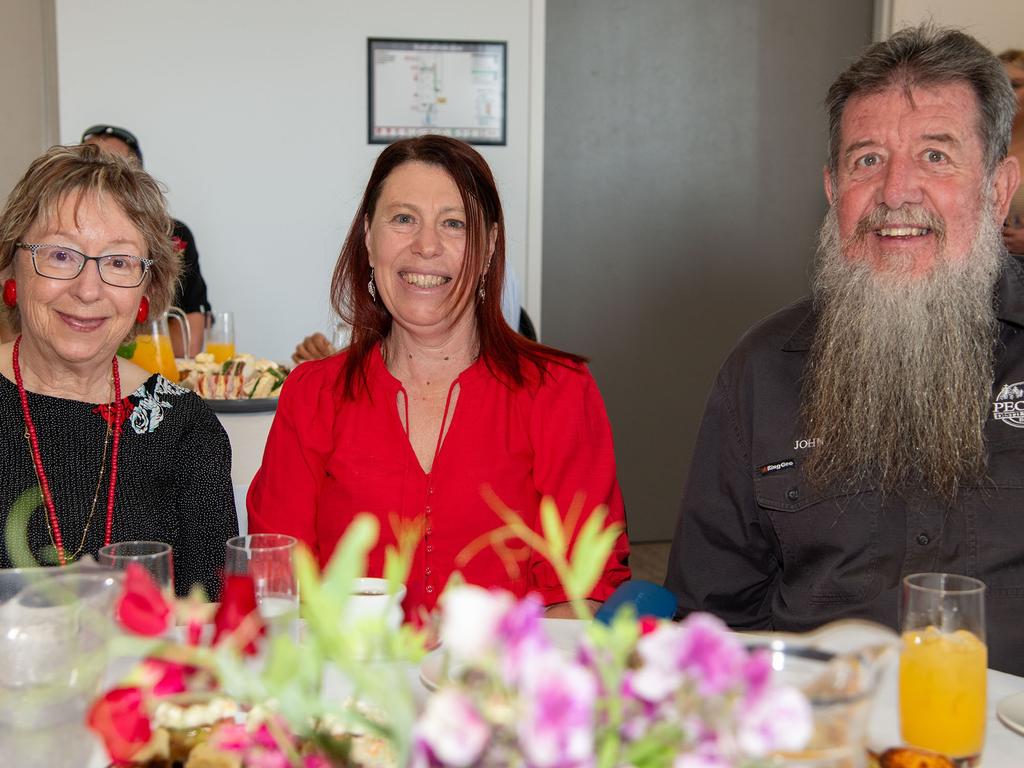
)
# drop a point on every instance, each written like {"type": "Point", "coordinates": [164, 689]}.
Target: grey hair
{"type": "Point", "coordinates": [929, 56]}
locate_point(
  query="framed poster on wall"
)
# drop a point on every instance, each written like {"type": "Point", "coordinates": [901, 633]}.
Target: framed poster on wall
{"type": "Point", "coordinates": [454, 88]}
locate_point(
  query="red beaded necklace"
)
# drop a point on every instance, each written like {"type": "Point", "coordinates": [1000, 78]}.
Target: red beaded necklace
{"type": "Point", "coordinates": [38, 460]}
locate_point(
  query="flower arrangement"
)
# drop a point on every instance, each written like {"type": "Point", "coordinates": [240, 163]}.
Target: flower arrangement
{"type": "Point", "coordinates": [636, 692]}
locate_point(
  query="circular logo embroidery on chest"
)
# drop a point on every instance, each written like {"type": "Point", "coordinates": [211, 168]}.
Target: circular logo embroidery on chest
{"type": "Point", "coordinates": [1009, 405]}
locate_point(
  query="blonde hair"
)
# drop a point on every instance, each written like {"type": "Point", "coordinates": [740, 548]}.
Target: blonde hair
{"type": "Point", "coordinates": [63, 172]}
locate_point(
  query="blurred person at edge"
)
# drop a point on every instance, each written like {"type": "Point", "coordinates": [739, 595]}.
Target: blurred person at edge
{"type": "Point", "coordinates": [109, 451]}
{"type": "Point", "coordinates": [190, 294]}
{"type": "Point", "coordinates": [1013, 228]}
{"type": "Point", "coordinates": [876, 429]}
{"type": "Point", "coordinates": [436, 398]}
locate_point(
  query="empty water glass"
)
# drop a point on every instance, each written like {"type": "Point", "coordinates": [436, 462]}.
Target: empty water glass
{"type": "Point", "coordinates": [155, 556]}
{"type": "Point", "coordinates": [267, 558]}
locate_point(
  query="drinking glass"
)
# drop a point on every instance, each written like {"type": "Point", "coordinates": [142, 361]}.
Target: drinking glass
{"type": "Point", "coordinates": [155, 556]}
{"type": "Point", "coordinates": [942, 665]}
{"type": "Point", "coordinates": [267, 557]}
{"type": "Point", "coordinates": [220, 335]}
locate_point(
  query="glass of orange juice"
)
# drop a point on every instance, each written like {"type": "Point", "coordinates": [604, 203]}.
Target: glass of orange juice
{"type": "Point", "coordinates": [942, 665]}
{"type": "Point", "coordinates": [220, 335]}
{"type": "Point", "coordinates": [154, 353]}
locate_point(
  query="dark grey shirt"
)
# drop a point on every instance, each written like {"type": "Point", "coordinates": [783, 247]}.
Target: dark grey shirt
{"type": "Point", "coordinates": [757, 547]}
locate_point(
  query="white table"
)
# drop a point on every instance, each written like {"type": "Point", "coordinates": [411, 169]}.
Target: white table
{"type": "Point", "coordinates": [248, 435]}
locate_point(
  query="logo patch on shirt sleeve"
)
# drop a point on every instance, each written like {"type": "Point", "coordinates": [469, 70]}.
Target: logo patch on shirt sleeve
{"type": "Point", "coordinates": [776, 466]}
{"type": "Point", "coordinates": [1008, 406]}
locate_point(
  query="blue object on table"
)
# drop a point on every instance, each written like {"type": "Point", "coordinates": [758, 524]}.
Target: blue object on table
{"type": "Point", "coordinates": [646, 597]}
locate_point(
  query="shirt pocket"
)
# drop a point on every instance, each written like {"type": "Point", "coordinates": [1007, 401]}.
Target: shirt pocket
{"type": "Point", "coordinates": [995, 521]}
{"type": "Point", "coordinates": [829, 541]}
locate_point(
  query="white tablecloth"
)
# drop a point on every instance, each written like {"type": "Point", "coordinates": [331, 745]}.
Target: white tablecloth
{"type": "Point", "coordinates": [248, 435]}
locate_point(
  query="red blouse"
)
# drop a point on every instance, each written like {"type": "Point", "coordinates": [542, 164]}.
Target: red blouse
{"type": "Point", "coordinates": [327, 459]}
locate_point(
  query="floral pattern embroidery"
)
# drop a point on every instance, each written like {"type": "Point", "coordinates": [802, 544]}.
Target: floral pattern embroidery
{"type": "Point", "coordinates": [147, 415]}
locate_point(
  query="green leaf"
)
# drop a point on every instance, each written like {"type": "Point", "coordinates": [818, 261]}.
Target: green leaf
{"type": "Point", "coordinates": [551, 524]}
{"type": "Point", "coordinates": [127, 350]}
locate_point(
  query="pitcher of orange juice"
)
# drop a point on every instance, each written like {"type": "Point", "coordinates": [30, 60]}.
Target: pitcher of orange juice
{"type": "Point", "coordinates": [153, 349]}
{"type": "Point", "coordinates": [220, 335]}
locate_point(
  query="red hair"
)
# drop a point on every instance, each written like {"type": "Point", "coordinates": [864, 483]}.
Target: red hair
{"type": "Point", "coordinates": [504, 351]}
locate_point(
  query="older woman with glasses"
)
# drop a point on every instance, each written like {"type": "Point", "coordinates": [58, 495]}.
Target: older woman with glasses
{"type": "Point", "coordinates": [437, 407]}
{"type": "Point", "coordinates": [97, 450]}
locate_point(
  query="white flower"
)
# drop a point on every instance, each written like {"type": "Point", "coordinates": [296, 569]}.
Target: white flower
{"type": "Point", "coordinates": [452, 728]}
{"type": "Point", "coordinates": [471, 620]}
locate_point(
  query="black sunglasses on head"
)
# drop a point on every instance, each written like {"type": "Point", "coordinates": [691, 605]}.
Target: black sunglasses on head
{"type": "Point", "coordinates": [117, 133]}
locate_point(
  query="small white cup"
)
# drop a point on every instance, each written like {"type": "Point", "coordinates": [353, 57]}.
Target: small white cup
{"type": "Point", "coordinates": [370, 599]}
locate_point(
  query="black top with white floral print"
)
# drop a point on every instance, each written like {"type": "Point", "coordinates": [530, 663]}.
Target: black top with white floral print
{"type": "Point", "coordinates": [173, 478]}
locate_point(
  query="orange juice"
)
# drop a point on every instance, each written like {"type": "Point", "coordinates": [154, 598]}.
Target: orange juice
{"type": "Point", "coordinates": [942, 691]}
{"type": "Point", "coordinates": [154, 353]}
{"type": "Point", "coordinates": [221, 350]}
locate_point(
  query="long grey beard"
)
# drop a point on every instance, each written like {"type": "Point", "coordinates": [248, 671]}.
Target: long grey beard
{"type": "Point", "coordinates": [900, 369]}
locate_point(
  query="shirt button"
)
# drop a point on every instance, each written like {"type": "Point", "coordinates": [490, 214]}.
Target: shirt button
{"type": "Point", "coordinates": [430, 590]}
{"type": "Point", "coordinates": [430, 547]}
{"type": "Point", "coordinates": [427, 532]}
{"type": "Point", "coordinates": [793, 494]}
{"type": "Point", "coordinates": [427, 571]}
{"type": "Point", "coordinates": [428, 509]}
{"type": "Point", "coordinates": [922, 539]}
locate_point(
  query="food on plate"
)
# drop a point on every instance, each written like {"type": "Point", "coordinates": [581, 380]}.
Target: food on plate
{"type": "Point", "coordinates": [909, 757]}
{"type": "Point", "coordinates": [182, 725]}
{"type": "Point", "coordinates": [238, 378]}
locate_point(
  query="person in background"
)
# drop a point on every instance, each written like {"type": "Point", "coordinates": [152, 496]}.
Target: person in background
{"type": "Point", "coordinates": [1013, 228]}
{"type": "Point", "coordinates": [874, 430]}
{"type": "Point", "coordinates": [95, 449]}
{"type": "Point", "coordinates": [190, 295]}
{"type": "Point", "coordinates": [436, 400]}
{"type": "Point", "coordinates": [317, 345]}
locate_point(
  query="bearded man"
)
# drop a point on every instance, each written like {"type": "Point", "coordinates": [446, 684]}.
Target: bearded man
{"type": "Point", "coordinates": [876, 429]}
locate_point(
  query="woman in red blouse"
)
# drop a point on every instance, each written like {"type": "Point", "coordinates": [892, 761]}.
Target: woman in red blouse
{"type": "Point", "coordinates": [437, 398]}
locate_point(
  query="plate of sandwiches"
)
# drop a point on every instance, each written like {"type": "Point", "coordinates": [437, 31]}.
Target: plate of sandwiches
{"type": "Point", "coordinates": [241, 384]}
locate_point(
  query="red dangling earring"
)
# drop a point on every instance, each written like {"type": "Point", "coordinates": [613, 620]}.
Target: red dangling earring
{"type": "Point", "coordinates": [140, 317]}
{"type": "Point", "coordinates": [10, 293]}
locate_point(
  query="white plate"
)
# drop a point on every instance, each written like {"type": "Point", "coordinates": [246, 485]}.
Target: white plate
{"type": "Point", "coordinates": [1011, 712]}
{"type": "Point", "coordinates": [432, 669]}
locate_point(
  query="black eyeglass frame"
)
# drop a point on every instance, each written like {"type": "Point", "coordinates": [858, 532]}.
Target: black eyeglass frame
{"type": "Point", "coordinates": [33, 247]}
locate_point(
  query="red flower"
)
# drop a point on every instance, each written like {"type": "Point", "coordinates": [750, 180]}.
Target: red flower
{"type": "Point", "coordinates": [120, 720]}
{"type": "Point", "coordinates": [106, 411]}
{"type": "Point", "coordinates": [179, 244]}
{"type": "Point", "coordinates": [237, 612]}
{"type": "Point", "coordinates": [142, 607]}
{"type": "Point", "coordinates": [648, 624]}
{"type": "Point", "coordinates": [164, 677]}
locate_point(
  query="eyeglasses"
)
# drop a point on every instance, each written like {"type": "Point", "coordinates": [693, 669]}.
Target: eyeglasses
{"type": "Point", "coordinates": [59, 262]}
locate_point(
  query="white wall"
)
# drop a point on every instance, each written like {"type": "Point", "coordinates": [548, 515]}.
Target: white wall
{"type": "Point", "coordinates": [27, 86]}
{"type": "Point", "coordinates": [253, 113]}
{"type": "Point", "coordinates": [999, 24]}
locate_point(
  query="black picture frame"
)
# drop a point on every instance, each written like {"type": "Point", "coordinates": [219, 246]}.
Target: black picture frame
{"type": "Point", "coordinates": [471, 63]}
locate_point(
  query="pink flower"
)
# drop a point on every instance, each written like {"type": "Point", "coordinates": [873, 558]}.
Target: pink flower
{"type": "Point", "coordinates": [757, 672]}
{"type": "Point", "coordinates": [781, 720]}
{"type": "Point", "coordinates": [557, 727]}
{"type": "Point", "coordinates": [120, 719]}
{"type": "Point", "coordinates": [700, 649]}
{"type": "Point", "coordinates": [142, 607]}
{"type": "Point", "coordinates": [452, 730]}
